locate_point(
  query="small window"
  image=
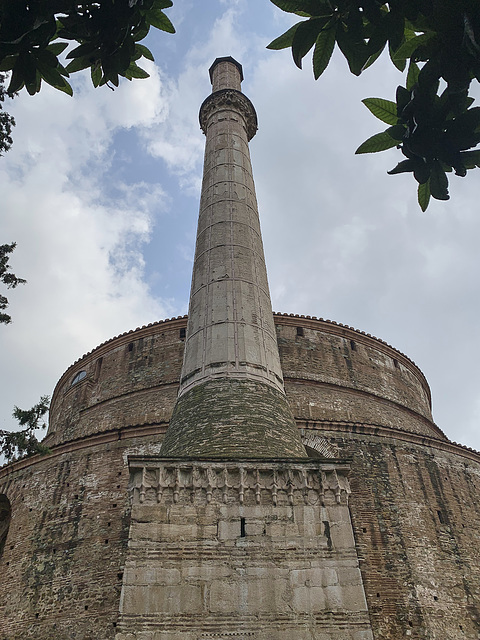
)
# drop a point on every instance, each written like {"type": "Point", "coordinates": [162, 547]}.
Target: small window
{"type": "Point", "coordinates": [80, 376]}
{"type": "Point", "coordinates": [242, 528]}
{"type": "Point", "coordinates": [183, 333]}
{"type": "Point", "coordinates": [353, 346]}
{"type": "Point", "coordinates": [300, 332]}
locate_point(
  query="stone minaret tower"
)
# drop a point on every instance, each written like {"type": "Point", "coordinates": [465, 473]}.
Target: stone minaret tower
{"type": "Point", "coordinates": [231, 400]}
{"type": "Point", "coordinates": [234, 531]}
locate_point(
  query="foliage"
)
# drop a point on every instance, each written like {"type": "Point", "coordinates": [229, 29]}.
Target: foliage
{"type": "Point", "coordinates": [33, 34]}
{"type": "Point", "coordinates": [434, 129]}
{"type": "Point", "coordinates": [18, 444]}
{"type": "Point", "coordinates": [6, 121]}
{"type": "Point", "coordinates": [9, 279]}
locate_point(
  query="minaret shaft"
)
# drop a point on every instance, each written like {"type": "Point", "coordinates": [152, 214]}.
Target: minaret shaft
{"type": "Point", "coordinates": [230, 328]}
{"type": "Point", "coordinates": [231, 399]}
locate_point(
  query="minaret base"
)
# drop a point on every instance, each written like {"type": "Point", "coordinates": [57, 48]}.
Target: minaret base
{"type": "Point", "coordinates": [241, 550]}
{"type": "Point", "coordinates": [232, 418]}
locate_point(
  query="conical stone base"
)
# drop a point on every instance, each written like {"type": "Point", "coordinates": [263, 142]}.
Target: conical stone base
{"type": "Point", "coordinates": [232, 418]}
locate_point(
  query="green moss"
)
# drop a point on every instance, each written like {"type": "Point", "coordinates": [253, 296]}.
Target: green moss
{"type": "Point", "coordinates": [232, 418]}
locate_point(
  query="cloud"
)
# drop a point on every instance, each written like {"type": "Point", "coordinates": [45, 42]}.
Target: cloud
{"type": "Point", "coordinates": [79, 239]}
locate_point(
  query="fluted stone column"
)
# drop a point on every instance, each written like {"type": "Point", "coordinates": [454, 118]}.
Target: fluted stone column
{"type": "Point", "coordinates": [231, 399]}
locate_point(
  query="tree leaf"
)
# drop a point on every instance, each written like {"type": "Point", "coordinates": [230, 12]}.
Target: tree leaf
{"type": "Point", "coordinates": [378, 142]}
{"type": "Point", "coordinates": [301, 7]}
{"type": "Point", "coordinates": [285, 40]}
{"type": "Point", "coordinates": [405, 166]}
{"type": "Point", "coordinates": [8, 63]}
{"type": "Point", "coordinates": [407, 49]}
{"type": "Point", "coordinates": [78, 64]}
{"type": "Point", "coordinates": [323, 50]}
{"type": "Point", "coordinates": [424, 195]}
{"type": "Point", "coordinates": [412, 75]}
{"type": "Point", "coordinates": [159, 20]}
{"type": "Point", "coordinates": [438, 182]}
{"type": "Point", "coordinates": [384, 110]}
{"type": "Point", "coordinates": [354, 51]}
{"type": "Point", "coordinates": [135, 72]}
{"type": "Point", "coordinates": [305, 37]}
{"type": "Point", "coordinates": [144, 51]}
{"type": "Point", "coordinates": [399, 63]}
{"type": "Point", "coordinates": [86, 49]}
{"type": "Point", "coordinates": [57, 47]}
{"type": "Point", "coordinates": [96, 75]}
{"type": "Point", "coordinates": [397, 132]}
{"type": "Point", "coordinates": [471, 159]}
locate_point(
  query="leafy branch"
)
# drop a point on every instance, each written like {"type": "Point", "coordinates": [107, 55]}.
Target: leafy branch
{"type": "Point", "coordinates": [107, 32]}
{"type": "Point", "coordinates": [10, 280]}
{"type": "Point", "coordinates": [7, 122]}
{"type": "Point", "coordinates": [18, 444]}
{"type": "Point", "coordinates": [440, 40]}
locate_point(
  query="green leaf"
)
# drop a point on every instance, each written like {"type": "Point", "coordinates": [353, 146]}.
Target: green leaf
{"type": "Point", "coordinates": [424, 195]}
{"type": "Point", "coordinates": [355, 52]}
{"type": "Point", "coordinates": [159, 20]}
{"type": "Point", "coordinates": [438, 182]}
{"type": "Point", "coordinates": [285, 40]}
{"type": "Point", "coordinates": [57, 47]}
{"type": "Point", "coordinates": [86, 49]}
{"type": "Point", "coordinates": [162, 4]}
{"type": "Point", "coordinates": [384, 110]}
{"type": "Point", "coordinates": [135, 72]}
{"type": "Point", "coordinates": [301, 7]}
{"type": "Point", "coordinates": [8, 63]}
{"type": "Point", "coordinates": [323, 50]}
{"type": "Point", "coordinates": [305, 37]}
{"type": "Point", "coordinates": [144, 51]}
{"type": "Point", "coordinates": [471, 159]}
{"type": "Point", "coordinates": [96, 74]}
{"type": "Point", "coordinates": [78, 64]}
{"type": "Point", "coordinates": [412, 75]}
{"type": "Point", "coordinates": [403, 97]}
{"type": "Point", "coordinates": [399, 63]}
{"type": "Point", "coordinates": [397, 132]}
{"type": "Point", "coordinates": [405, 166]}
{"type": "Point", "coordinates": [409, 46]}
{"type": "Point", "coordinates": [378, 142]}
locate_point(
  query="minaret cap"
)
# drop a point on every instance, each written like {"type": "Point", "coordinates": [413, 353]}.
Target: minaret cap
{"type": "Point", "coordinates": [225, 59]}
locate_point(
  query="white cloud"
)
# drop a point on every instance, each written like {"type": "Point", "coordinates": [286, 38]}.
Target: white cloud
{"type": "Point", "coordinates": [79, 242]}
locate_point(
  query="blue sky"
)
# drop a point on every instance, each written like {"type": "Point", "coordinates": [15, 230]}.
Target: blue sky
{"type": "Point", "coordinates": [101, 194]}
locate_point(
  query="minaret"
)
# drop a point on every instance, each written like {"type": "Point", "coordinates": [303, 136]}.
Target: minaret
{"type": "Point", "coordinates": [231, 401]}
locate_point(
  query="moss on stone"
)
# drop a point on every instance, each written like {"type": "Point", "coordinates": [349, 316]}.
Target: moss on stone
{"type": "Point", "coordinates": [233, 418]}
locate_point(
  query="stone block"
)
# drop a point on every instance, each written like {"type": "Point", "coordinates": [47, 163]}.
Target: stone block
{"type": "Point", "coordinates": [309, 600]}
{"type": "Point", "coordinates": [162, 599]}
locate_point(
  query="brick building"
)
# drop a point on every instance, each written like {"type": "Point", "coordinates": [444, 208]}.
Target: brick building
{"type": "Point", "coordinates": [242, 475]}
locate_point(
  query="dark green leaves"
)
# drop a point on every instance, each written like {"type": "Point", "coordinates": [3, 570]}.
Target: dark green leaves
{"type": "Point", "coordinates": [323, 50]}
{"type": "Point", "coordinates": [7, 278]}
{"type": "Point", "coordinates": [305, 37]}
{"type": "Point", "coordinates": [384, 110]}
{"type": "Point", "coordinates": [20, 444]}
{"type": "Point", "coordinates": [106, 34]}
{"type": "Point", "coordinates": [285, 40]}
{"type": "Point", "coordinates": [378, 142]}
{"type": "Point", "coordinates": [441, 43]}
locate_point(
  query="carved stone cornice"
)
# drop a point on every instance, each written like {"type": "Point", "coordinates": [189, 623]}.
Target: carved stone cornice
{"type": "Point", "coordinates": [229, 98]}
{"type": "Point", "coordinates": [246, 482]}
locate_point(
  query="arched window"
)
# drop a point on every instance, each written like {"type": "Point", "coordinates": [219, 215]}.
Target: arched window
{"type": "Point", "coordinates": [79, 376]}
{"type": "Point", "coordinates": [5, 517]}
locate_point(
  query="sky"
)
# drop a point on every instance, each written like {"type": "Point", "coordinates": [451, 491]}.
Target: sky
{"type": "Point", "coordinates": [101, 192]}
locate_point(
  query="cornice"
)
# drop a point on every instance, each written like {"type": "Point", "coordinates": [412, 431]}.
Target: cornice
{"type": "Point", "coordinates": [229, 98]}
